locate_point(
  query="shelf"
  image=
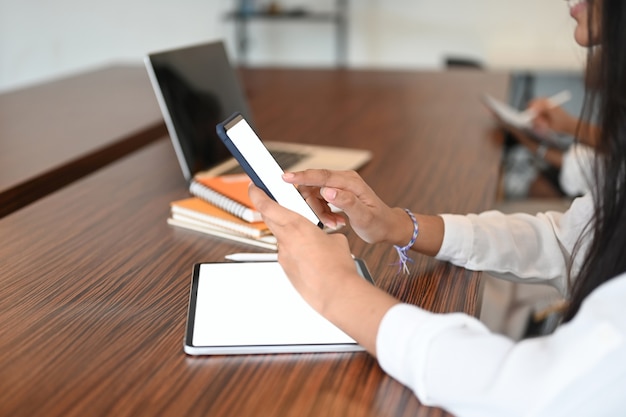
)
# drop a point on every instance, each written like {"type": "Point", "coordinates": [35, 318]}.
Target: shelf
{"type": "Point", "coordinates": [294, 15]}
{"type": "Point", "coordinates": [338, 17]}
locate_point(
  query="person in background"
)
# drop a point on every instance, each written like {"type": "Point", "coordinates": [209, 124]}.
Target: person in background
{"type": "Point", "coordinates": [559, 173]}
{"type": "Point", "coordinates": [556, 172]}
{"type": "Point", "coordinates": [452, 360]}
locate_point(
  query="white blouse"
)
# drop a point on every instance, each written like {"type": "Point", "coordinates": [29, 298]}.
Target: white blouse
{"type": "Point", "coordinates": [453, 361]}
{"type": "Point", "coordinates": [576, 173]}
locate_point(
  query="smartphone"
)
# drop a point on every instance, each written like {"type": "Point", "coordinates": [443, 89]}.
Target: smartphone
{"type": "Point", "coordinates": [248, 149]}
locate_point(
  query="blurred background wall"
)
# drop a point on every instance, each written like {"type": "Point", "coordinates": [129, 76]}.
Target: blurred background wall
{"type": "Point", "coordinates": [42, 40]}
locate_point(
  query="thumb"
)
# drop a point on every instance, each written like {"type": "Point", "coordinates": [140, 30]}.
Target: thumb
{"type": "Point", "coordinates": [343, 200]}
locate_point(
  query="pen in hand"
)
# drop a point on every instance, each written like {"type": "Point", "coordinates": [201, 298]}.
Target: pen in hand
{"type": "Point", "coordinates": [556, 100]}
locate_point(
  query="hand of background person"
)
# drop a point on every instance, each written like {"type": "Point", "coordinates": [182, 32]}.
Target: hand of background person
{"type": "Point", "coordinates": [550, 118]}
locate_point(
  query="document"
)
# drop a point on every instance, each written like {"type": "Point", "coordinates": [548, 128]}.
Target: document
{"type": "Point", "coordinates": [513, 118]}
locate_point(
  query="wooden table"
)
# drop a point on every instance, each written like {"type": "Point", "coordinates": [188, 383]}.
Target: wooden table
{"type": "Point", "coordinates": [95, 284]}
{"type": "Point", "coordinates": [54, 133]}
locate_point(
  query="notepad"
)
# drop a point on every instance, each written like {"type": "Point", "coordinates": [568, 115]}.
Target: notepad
{"type": "Point", "coordinates": [252, 308]}
{"type": "Point", "coordinates": [520, 120]}
{"type": "Point", "coordinates": [508, 114]}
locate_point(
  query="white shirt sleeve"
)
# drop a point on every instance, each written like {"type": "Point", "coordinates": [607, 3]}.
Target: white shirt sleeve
{"type": "Point", "coordinates": [453, 361]}
{"type": "Point", "coordinates": [517, 246]}
{"type": "Point", "coordinates": [576, 172]}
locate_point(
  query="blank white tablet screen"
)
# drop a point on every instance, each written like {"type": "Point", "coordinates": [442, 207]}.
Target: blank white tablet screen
{"type": "Point", "coordinates": [257, 305]}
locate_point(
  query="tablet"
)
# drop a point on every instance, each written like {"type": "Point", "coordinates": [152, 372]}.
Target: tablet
{"type": "Point", "coordinates": [252, 308]}
{"type": "Point", "coordinates": [257, 161]}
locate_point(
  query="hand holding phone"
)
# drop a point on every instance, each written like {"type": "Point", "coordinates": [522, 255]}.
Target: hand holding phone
{"type": "Point", "coordinates": [247, 148]}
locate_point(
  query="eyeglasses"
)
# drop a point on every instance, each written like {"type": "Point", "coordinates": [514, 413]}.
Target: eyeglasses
{"type": "Point", "coordinates": [571, 3]}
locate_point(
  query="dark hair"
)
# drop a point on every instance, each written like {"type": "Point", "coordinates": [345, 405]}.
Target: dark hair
{"type": "Point", "coordinates": [606, 254]}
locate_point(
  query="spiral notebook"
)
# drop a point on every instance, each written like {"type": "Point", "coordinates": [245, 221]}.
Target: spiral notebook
{"type": "Point", "coordinates": [200, 210]}
{"type": "Point", "coordinates": [228, 192]}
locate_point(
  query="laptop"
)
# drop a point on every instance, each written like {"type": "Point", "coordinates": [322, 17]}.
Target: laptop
{"type": "Point", "coordinates": [196, 88]}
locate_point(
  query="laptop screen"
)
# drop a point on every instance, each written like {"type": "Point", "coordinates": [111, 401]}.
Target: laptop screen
{"type": "Point", "coordinates": [197, 88]}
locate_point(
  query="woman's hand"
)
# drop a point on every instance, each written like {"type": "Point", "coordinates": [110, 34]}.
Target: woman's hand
{"type": "Point", "coordinates": [308, 255]}
{"type": "Point", "coordinates": [321, 268]}
{"type": "Point", "coordinates": [369, 216]}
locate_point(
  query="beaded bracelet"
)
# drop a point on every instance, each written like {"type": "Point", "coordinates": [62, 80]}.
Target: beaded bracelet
{"type": "Point", "coordinates": [541, 151]}
{"type": "Point", "coordinates": [402, 251]}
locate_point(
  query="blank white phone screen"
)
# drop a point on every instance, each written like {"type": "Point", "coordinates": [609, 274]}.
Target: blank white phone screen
{"type": "Point", "coordinates": [268, 170]}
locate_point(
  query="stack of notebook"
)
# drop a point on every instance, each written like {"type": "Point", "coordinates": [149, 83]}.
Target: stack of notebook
{"type": "Point", "coordinates": [220, 207]}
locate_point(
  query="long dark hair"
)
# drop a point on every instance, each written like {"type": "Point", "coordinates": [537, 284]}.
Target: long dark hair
{"type": "Point", "coordinates": [606, 254]}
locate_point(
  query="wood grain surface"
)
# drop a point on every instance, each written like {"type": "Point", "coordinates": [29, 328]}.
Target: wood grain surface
{"type": "Point", "coordinates": [95, 285]}
{"type": "Point", "coordinates": [54, 133]}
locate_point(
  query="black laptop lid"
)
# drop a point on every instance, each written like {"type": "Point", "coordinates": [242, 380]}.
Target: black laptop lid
{"type": "Point", "coordinates": [198, 88]}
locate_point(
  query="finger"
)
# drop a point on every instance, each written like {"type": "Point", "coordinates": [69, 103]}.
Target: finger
{"type": "Point", "coordinates": [321, 207]}
{"type": "Point", "coordinates": [541, 124]}
{"type": "Point", "coordinates": [347, 200]}
{"type": "Point", "coordinates": [349, 180]}
{"type": "Point", "coordinates": [539, 104]}
{"type": "Point", "coordinates": [308, 191]}
{"type": "Point", "coordinates": [323, 211]}
{"type": "Point", "coordinates": [270, 209]}
{"type": "Point", "coordinates": [316, 200]}
{"type": "Point", "coordinates": [350, 194]}
{"type": "Point", "coordinates": [275, 216]}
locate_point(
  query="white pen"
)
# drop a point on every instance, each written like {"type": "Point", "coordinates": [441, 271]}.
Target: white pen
{"type": "Point", "coordinates": [556, 100]}
{"type": "Point", "coordinates": [252, 257]}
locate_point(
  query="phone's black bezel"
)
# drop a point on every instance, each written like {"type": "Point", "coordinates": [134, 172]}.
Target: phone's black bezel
{"type": "Point", "coordinates": [222, 131]}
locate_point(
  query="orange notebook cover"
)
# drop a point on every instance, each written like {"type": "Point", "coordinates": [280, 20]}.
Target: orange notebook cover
{"type": "Point", "coordinates": [229, 192]}
{"type": "Point", "coordinates": [200, 210]}
{"type": "Point", "coordinates": [233, 186]}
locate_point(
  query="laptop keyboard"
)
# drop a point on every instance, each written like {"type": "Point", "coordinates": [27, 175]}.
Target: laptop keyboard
{"type": "Point", "coordinates": [285, 160]}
